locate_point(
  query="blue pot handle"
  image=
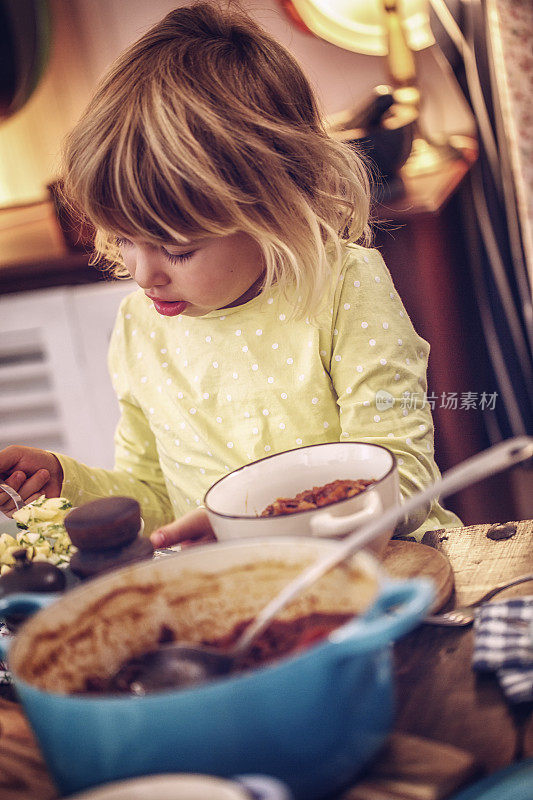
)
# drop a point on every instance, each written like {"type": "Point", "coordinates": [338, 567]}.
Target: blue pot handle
{"type": "Point", "coordinates": [23, 603]}
{"type": "Point", "coordinates": [396, 611]}
{"type": "Point", "coordinates": [262, 787]}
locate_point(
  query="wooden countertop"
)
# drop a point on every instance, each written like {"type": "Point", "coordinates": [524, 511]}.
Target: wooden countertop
{"type": "Point", "coordinates": [34, 253]}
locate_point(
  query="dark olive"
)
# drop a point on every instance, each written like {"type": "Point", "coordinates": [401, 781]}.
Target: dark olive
{"type": "Point", "coordinates": [29, 576]}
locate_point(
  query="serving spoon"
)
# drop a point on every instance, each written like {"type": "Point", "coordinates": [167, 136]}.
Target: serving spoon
{"type": "Point", "coordinates": [177, 665]}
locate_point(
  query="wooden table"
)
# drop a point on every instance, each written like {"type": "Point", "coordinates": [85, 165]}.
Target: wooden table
{"type": "Point", "coordinates": [440, 699]}
{"type": "Point", "coordinates": [452, 726]}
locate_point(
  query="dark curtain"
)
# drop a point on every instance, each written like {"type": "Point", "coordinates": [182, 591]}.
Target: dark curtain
{"type": "Point", "coordinates": [497, 260]}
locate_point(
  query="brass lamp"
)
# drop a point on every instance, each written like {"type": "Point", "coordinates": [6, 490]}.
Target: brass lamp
{"type": "Point", "coordinates": [390, 28]}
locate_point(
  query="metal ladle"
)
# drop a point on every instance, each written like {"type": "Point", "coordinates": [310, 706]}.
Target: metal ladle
{"type": "Point", "coordinates": [177, 665]}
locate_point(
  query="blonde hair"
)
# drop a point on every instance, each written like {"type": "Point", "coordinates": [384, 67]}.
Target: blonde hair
{"type": "Point", "coordinates": [208, 126]}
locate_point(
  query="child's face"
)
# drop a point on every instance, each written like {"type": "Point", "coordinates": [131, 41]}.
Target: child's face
{"type": "Point", "coordinates": [195, 279]}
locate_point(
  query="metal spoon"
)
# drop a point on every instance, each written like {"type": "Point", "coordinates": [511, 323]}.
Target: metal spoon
{"type": "Point", "coordinates": [178, 665]}
{"type": "Point", "coordinates": [464, 615]}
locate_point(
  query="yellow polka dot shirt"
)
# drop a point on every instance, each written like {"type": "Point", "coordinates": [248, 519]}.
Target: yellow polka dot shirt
{"type": "Point", "coordinates": [201, 396]}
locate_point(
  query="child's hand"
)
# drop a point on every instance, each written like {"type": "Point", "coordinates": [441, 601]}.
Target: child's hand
{"type": "Point", "coordinates": [31, 473]}
{"type": "Point", "coordinates": [192, 529]}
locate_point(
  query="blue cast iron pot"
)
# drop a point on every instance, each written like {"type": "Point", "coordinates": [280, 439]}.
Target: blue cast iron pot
{"type": "Point", "coordinates": [312, 720]}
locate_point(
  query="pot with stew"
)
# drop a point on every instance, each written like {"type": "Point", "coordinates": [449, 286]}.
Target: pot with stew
{"type": "Point", "coordinates": [310, 706]}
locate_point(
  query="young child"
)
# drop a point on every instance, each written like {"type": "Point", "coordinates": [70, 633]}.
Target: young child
{"type": "Point", "coordinates": [260, 324]}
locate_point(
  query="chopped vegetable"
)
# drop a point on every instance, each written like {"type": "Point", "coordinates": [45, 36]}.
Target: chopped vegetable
{"type": "Point", "coordinates": [42, 533]}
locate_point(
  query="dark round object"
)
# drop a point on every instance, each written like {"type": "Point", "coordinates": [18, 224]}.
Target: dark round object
{"type": "Point", "coordinates": [87, 563]}
{"type": "Point", "coordinates": [502, 530]}
{"type": "Point", "coordinates": [104, 524]}
{"type": "Point", "coordinates": [31, 576]}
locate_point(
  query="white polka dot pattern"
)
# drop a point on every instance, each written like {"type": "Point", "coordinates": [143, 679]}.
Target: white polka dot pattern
{"type": "Point", "coordinates": [201, 396]}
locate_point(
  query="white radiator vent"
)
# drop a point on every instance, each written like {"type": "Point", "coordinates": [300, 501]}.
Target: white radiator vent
{"type": "Point", "coordinates": [53, 370]}
{"type": "Point", "coordinates": [29, 412]}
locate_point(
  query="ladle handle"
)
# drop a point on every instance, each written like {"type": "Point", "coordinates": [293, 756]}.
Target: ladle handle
{"type": "Point", "coordinates": [495, 459]}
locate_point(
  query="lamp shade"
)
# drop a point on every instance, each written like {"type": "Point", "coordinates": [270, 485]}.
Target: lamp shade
{"type": "Point", "coordinates": [360, 25]}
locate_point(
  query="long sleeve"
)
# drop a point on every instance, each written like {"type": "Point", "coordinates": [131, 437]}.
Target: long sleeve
{"type": "Point", "coordinates": [378, 368]}
{"type": "Point", "coordinates": [137, 472]}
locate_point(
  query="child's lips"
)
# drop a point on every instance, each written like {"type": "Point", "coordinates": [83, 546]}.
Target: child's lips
{"type": "Point", "coordinates": [168, 308]}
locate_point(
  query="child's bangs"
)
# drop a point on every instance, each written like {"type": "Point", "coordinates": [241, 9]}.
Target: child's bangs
{"type": "Point", "coordinates": [132, 201]}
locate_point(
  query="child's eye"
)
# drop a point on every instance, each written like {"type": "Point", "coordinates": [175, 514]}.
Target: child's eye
{"type": "Point", "coordinates": [176, 258]}
{"type": "Point", "coordinates": [121, 242]}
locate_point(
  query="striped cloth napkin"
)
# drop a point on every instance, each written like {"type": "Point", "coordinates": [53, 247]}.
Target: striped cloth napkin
{"type": "Point", "coordinates": [503, 643]}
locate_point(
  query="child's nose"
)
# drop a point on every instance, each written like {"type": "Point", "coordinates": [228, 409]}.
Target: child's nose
{"type": "Point", "coordinates": [149, 269]}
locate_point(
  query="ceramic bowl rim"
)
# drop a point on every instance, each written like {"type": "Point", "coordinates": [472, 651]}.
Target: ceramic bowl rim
{"type": "Point", "coordinates": [146, 783]}
{"type": "Point", "coordinates": [303, 511]}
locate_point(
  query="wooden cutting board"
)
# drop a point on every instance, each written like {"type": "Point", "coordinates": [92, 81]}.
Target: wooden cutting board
{"type": "Point", "coordinates": [412, 560]}
{"type": "Point", "coordinates": [412, 768]}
